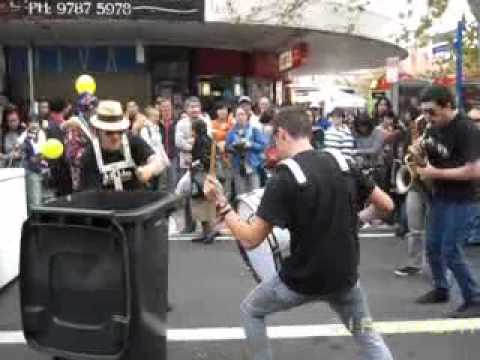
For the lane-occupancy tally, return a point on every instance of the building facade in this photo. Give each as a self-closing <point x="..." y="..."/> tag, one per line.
<point x="146" y="48"/>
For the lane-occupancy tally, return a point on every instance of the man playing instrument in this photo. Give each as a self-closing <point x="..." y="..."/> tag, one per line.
<point x="321" y="216"/>
<point x="116" y="160"/>
<point x="453" y="153"/>
<point x="416" y="208"/>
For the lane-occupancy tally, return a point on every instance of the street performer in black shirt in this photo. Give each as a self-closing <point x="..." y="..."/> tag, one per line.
<point x="315" y="196"/>
<point x="116" y="160"/>
<point x="452" y="144"/>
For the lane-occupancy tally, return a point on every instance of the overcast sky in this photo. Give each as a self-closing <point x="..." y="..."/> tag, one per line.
<point x="453" y="13"/>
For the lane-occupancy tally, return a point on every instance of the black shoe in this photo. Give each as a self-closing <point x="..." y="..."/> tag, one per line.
<point x="436" y="296"/>
<point x="200" y="239"/>
<point x="407" y="271"/>
<point x="210" y="238"/>
<point x="189" y="229"/>
<point x="467" y="310"/>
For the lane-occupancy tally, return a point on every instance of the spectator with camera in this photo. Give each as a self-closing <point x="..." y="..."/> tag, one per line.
<point x="246" y="144"/>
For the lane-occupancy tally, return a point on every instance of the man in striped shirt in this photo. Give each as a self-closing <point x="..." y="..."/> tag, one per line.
<point x="338" y="136"/>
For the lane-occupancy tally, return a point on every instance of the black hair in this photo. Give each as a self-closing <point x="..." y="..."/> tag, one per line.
<point x="383" y="99"/>
<point x="390" y="114"/>
<point x="294" y="120"/>
<point x="57" y="105"/>
<point x="7" y="111"/>
<point x="221" y="105"/>
<point x="200" y="128"/>
<point x="267" y="116"/>
<point x="202" y="145"/>
<point x="379" y="101"/>
<point x="440" y="95"/>
<point x="363" y="120"/>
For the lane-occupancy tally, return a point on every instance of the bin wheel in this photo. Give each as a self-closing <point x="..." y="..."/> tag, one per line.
<point x="58" y="358"/>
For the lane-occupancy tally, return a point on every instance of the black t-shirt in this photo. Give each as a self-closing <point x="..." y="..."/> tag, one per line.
<point x="60" y="179"/>
<point x="91" y="178"/>
<point x="450" y="147"/>
<point x="322" y="219"/>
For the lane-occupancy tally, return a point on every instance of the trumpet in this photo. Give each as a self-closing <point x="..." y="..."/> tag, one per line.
<point x="407" y="175"/>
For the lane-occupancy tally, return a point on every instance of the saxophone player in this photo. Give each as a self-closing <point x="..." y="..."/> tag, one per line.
<point x="416" y="208"/>
<point x="453" y="166"/>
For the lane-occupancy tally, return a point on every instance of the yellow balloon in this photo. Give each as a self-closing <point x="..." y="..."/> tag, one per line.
<point x="52" y="149"/>
<point x="85" y="84"/>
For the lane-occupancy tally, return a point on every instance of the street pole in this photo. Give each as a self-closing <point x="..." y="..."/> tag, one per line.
<point x="31" y="82"/>
<point x="459" y="72"/>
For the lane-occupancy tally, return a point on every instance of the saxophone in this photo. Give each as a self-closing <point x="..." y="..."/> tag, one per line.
<point x="416" y="157"/>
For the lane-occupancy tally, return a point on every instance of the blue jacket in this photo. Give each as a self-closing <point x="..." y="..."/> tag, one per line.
<point x="257" y="144"/>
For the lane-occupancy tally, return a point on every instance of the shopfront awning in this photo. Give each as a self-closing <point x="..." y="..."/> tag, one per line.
<point x="328" y="51"/>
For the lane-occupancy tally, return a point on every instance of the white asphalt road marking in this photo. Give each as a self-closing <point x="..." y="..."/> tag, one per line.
<point x="189" y="237"/>
<point x="437" y="327"/>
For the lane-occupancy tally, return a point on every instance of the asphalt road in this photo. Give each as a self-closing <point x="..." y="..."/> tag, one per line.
<point x="208" y="282"/>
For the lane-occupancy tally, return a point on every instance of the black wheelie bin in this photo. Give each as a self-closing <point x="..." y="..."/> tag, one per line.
<point x="93" y="276"/>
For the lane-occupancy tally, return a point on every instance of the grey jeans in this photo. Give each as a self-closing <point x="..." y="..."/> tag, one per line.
<point x="168" y="179"/>
<point x="416" y="217"/>
<point x="274" y="296"/>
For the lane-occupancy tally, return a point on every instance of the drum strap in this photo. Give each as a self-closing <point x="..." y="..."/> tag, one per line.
<point x="112" y="172"/>
<point x="296" y="171"/>
<point x="341" y="161"/>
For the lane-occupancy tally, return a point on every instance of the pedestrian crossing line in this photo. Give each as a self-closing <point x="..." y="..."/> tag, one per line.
<point x="429" y="327"/>
<point x="189" y="237"/>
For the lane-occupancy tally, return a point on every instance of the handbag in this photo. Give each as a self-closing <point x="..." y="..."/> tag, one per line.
<point x="199" y="176"/>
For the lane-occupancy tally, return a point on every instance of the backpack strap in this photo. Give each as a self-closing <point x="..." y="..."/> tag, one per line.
<point x="296" y="170"/>
<point x="339" y="158"/>
<point x="112" y="172"/>
<point x="298" y="173"/>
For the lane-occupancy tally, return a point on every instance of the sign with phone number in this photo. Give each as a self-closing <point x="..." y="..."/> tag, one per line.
<point x="188" y="10"/>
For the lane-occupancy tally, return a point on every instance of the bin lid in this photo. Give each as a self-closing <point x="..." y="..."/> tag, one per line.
<point x="112" y="203"/>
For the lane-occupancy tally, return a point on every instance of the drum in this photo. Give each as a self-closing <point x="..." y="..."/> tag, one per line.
<point x="265" y="260"/>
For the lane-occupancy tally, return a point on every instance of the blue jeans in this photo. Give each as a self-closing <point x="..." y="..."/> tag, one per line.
<point x="473" y="229"/>
<point x="273" y="296"/>
<point x="445" y="239"/>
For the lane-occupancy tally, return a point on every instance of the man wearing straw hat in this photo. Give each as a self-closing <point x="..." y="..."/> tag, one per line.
<point x="117" y="160"/>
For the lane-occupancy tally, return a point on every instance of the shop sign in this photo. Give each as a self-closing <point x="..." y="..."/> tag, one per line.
<point x="393" y="69"/>
<point x="285" y="61"/>
<point x="293" y="58"/>
<point x="178" y="10"/>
